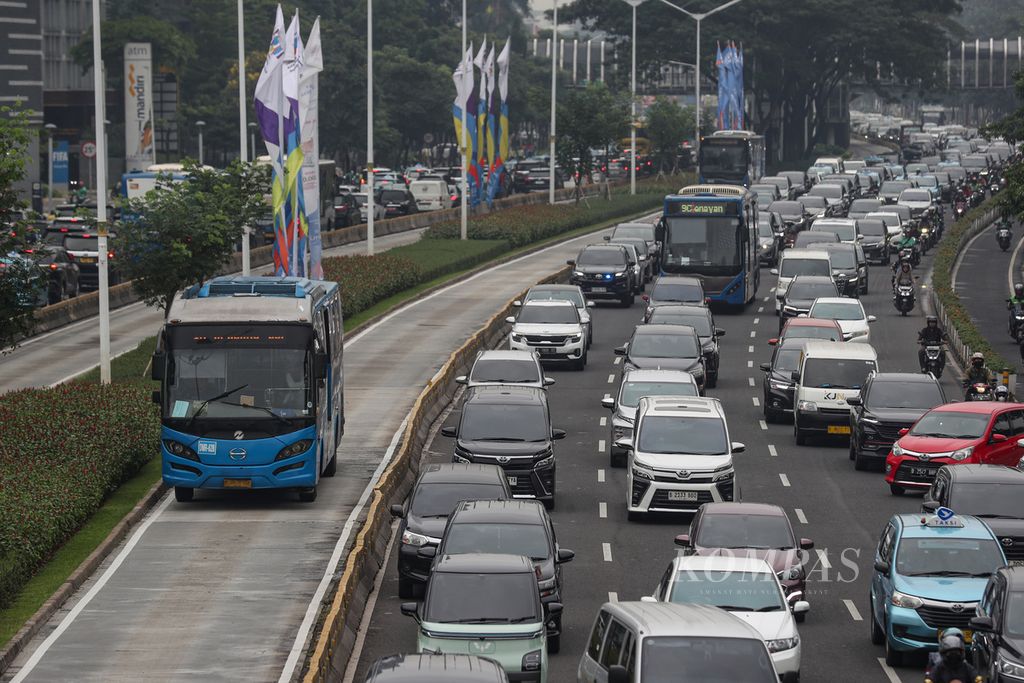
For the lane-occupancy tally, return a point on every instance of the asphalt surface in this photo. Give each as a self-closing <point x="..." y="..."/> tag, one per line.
<point x="222" y="589"/>
<point x="983" y="282"/>
<point x="59" y="355"/>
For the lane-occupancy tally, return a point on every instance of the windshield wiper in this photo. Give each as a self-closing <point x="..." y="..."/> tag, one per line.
<point x="946" y="572"/>
<point x="736" y="608"/>
<point x="202" y="406"/>
<point x="768" y="608"/>
<point x="507" y="439"/>
<point x="268" y="411"/>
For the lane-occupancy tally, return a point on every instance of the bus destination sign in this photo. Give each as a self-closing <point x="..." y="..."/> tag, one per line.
<point x="698" y="208"/>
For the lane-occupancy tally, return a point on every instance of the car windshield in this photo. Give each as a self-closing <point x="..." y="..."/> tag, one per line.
<point x="813" y="202"/>
<point x="602" y="257"/>
<point x="707" y="242"/>
<point x="846" y="233"/>
<point x="392" y="196"/>
<point x="787" y="360"/>
<point x="672" y="291"/>
<point x="836" y="373"/>
<point x="438" y="500"/>
<point x="759" y="532"/>
<point x="787" y="209"/>
<point x="842" y="258"/>
<point x="705" y="659"/>
<point x="764" y="228"/>
<point x="946" y="556"/>
<point x="504" y="370"/>
<point x="922" y="395"/>
<point x="463" y="598"/>
<point x="700" y="323"/>
<point x="733" y="591"/>
<point x="1013" y="617"/>
<point x="915" y="196"/>
<point x="556" y="315"/>
<point x="81" y="243"/>
<point x="813" y="332"/>
<point x="810" y="290"/>
<point x="947" y="424"/>
<point x="664" y="345"/>
<point x="895" y="186"/>
<point x="505" y="539"/>
<point x="828" y="191"/>
<point x="988" y="500"/>
<point x="572" y="295"/>
<point x="865" y="205"/>
<point x="498" y="422"/>
<point x="793" y="266"/>
<point x="640" y="232"/>
<point x="837" y="311"/>
<point x="693" y="436"/>
<point x="631" y="392"/>
<point x="872" y="228"/>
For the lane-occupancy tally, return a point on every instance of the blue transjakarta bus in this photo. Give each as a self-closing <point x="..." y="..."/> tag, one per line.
<point x="251" y="385"/>
<point x="731" y="157"/>
<point x="710" y="231"/>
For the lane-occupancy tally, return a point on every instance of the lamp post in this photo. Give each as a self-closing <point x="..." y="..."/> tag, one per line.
<point x="554" y="81"/>
<point x="199" y="126"/>
<point x="369" y="127"/>
<point x="49" y="156"/>
<point x="252" y="138"/>
<point x="632" y="105"/>
<point x="698" y="17"/>
<point x="246" y="230"/>
<point x="99" y="93"/>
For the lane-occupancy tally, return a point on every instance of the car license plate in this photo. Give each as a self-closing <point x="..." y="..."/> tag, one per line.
<point x="968" y="636"/>
<point x="238" y="483"/>
<point x="1017" y="563"/>
<point x="839" y="429"/>
<point x="86" y="259"/>
<point x="545" y="351"/>
<point x="512" y="481"/>
<point x="921" y="472"/>
<point x="688" y="496"/>
<point x="598" y="289"/>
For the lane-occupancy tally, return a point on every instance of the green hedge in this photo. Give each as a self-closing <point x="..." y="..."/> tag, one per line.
<point x="62" y="452"/>
<point x="942" y="284"/>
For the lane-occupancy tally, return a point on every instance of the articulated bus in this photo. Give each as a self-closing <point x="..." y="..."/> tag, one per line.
<point x="731" y="157"/>
<point x="710" y="231"/>
<point x="251" y="385"/>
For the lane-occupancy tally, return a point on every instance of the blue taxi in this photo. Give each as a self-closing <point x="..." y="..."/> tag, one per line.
<point x="930" y="572"/>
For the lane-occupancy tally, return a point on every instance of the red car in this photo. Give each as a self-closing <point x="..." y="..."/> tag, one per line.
<point x="983" y="433"/>
<point x="809" y="328"/>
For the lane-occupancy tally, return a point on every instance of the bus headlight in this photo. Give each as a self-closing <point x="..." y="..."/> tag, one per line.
<point x="291" y="450"/>
<point x="181" y="450"/>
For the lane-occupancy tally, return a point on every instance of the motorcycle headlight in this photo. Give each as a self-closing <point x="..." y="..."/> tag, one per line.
<point x="962" y="454"/>
<point x="904" y="600"/>
<point x="415" y="540"/>
<point x="1008" y="668"/>
<point x="780" y="644"/>
<point x="808" y="406"/>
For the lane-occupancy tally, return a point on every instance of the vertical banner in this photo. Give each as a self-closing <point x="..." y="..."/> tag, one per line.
<point x="313" y="64"/>
<point x="60" y="165"/>
<point x="139" y="147"/>
<point x="270" y="105"/>
<point x="295" y="210"/>
<point x="723" y="88"/>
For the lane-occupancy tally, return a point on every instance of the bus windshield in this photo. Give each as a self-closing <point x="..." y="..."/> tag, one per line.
<point x="703" y="244"/>
<point x="724" y="160"/>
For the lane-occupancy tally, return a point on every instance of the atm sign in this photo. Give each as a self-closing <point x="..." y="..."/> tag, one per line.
<point x="705" y="208"/>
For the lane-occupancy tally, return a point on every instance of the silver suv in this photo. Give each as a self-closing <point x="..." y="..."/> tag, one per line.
<point x="552" y="329"/>
<point x="680" y="456"/>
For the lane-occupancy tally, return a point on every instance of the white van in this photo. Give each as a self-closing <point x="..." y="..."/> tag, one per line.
<point x="430" y="194"/>
<point x="798" y="262"/>
<point x="835" y="162"/>
<point x="829" y="374"/>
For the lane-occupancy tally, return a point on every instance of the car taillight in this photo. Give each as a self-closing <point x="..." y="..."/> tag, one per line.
<point x="53" y="266"/>
<point x="110" y="254"/>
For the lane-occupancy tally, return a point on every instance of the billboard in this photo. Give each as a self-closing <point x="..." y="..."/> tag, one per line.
<point x="60" y="164"/>
<point x="140" y="150"/>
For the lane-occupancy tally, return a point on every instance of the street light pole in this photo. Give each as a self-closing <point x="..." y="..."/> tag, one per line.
<point x="99" y="92"/>
<point x="199" y="125"/>
<point x="632" y="106"/>
<point x="49" y="155"/>
<point x="242" y="152"/>
<point x="252" y="138"/>
<point x="554" y="81"/>
<point x="369" y="127"/>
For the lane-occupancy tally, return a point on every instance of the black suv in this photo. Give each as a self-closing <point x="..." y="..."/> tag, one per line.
<point x="849" y="268"/>
<point x="700" y="319"/>
<point x="605" y="271"/>
<point x="346" y="212"/>
<point x="435" y="494"/>
<point x="674" y="290"/>
<point x="998" y="649"/>
<point x="801" y="295"/>
<point x="993" y="492"/>
<point x="665" y="347"/>
<point x="397" y="201"/>
<point x="889" y="402"/>
<point x="511" y="527"/>
<point x="510" y="426"/>
<point x="779" y="387"/>
<point x="875" y="240"/>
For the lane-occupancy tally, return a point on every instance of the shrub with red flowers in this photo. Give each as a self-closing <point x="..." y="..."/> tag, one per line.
<point x="365" y="280"/>
<point x="62" y="452"/>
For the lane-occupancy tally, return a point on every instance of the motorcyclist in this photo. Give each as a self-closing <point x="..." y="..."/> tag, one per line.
<point x="1015" y="300"/>
<point x="977" y="373"/>
<point x="904" y="275"/>
<point x="953" y="665"/>
<point x="930" y="335"/>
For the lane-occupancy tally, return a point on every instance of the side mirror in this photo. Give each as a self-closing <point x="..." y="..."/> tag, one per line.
<point x="682" y="540"/>
<point x="449" y="431"/>
<point x="872" y="318"/>
<point x="719" y="332"/>
<point x="570" y="262"/>
<point x="854" y="401"/>
<point x="548" y="381"/>
<point x="648" y="598"/>
<point x="591" y="304"/>
<point x="517" y="303"/>
<point x="321" y="362"/>
<point x="553" y="608"/>
<point x="795" y="375"/>
<point x="155" y="397"/>
<point x="625" y="444"/>
<point x="565" y="555"/>
<point x="903" y="432"/>
<point x="801" y="607"/>
<point x="157" y="365"/>
<point x="983" y="624"/>
<point x="411" y="609"/>
<point x="881" y="568"/>
<point x="930" y="505"/>
<point x="773" y="341"/>
<point x="738" y="447"/>
<point x="999" y="438"/>
<point x="427" y="551"/>
<point x="645" y="297"/>
<point x="617" y="674"/>
<point x="397" y="511"/>
<point x="510" y="320"/>
<point x="462" y="379"/>
<point x="607" y="238"/>
<point x="620" y="350"/>
<point x="774" y="271"/>
<point x="557" y="434"/>
<point x="766" y="367"/>
<point x="806" y="544"/>
<point x="609" y="403"/>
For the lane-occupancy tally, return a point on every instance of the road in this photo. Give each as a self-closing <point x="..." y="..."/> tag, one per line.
<point x="57" y="356"/>
<point x="841" y="509"/>
<point x="222" y="589"/>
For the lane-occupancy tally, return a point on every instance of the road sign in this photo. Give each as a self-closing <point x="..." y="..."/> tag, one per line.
<point x="88" y="150"/>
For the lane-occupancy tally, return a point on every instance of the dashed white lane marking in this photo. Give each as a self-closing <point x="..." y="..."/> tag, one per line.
<point x="753" y="333"/>
<point x="784" y="478"/>
<point x="618" y="359"/>
<point x="823" y="559"/>
<point x="606" y="549"/>
<point x="757" y="320"/>
<point x="604" y="421"/>
<point x="600" y="476"/>
<point x="893" y="677"/>
<point x="771" y="450"/>
<point x="800" y="515"/>
<point x="760" y="309"/>
<point x="600" y="445"/>
<point x="750" y="381"/>
<point x="756" y="400"/>
<point x="750" y="363"/>
<point x="854" y="612"/>
<point x="750" y="349"/>
<point x="766" y="298"/>
<point x="602" y="510"/>
<point x="611" y="379"/>
<point x="764" y="425"/>
<point x="613" y="596"/>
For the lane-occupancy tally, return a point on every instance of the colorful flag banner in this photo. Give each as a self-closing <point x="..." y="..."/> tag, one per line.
<point x="296" y="210"/>
<point x="312" y="65"/>
<point x="501" y="104"/>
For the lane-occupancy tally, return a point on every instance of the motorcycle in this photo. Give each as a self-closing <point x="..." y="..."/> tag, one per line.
<point x="841" y="282"/>
<point x="1003" y="236"/>
<point x="926" y="239"/>
<point x="979" y="391"/>
<point x="904" y="299"/>
<point x="934" y="359"/>
<point x="1015" y="325"/>
<point x="959" y="208"/>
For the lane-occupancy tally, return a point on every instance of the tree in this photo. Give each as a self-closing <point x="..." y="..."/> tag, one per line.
<point x="667" y="126"/>
<point x="1011" y="129"/>
<point x="589" y="118"/>
<point x="19" y="274"/>
<point x="183" y="233"/>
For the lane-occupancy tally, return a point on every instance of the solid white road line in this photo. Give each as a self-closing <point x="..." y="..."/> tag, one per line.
<point x="611" y="379"/>
<point x="763" y="424"/>
<point x="602" y="510"/>
<point x="750" y="381"/>
<point x="756" y="400"/>
<point x="771" y="450"/>
<point x="800" y="515"/>
<point x="600" y="476"/>
<point x="784" y="478"/>
<point x="604" y="421"/>
<point x="606" y="550"/>
<point x="852" y="608"/>
<point x="600" y="445"/>
<point x="889" y="671"/>
<point x="613" y="596"/>
<point x="823" y="559"/>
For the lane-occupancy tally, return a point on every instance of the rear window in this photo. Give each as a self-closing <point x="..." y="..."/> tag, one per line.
<point x="81" y="243"/>
<point x="632" y="392"/>
<point x="873" y="228"/>
<point x="830" y="191"/>
<point x="813" y="332"/>
<point x="392" y="196"/>
<point x="791" y="267"/>
<point x="671" y="291"/>
<point x="438" y="500"/>
<point x="919" y="395"/>
<point x="508" y="371"/>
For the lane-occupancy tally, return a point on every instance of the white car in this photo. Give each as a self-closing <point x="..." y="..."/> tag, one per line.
<point x="850" y="315"/>
<point x="919" y="200"/>
<point x="551" y="329"/>
<point x="501" y="366"/>
<point x="564" y="293"/>
<point x="747" y="588"/>
<point x="379" y="210"/>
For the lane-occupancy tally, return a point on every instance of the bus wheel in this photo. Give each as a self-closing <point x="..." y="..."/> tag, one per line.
<point x="332" y="466"/>
<point x="307" y="495"/>
<point x="183" y="494"/>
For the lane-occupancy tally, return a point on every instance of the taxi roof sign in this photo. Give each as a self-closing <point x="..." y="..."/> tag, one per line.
<point x="944" y="518"/>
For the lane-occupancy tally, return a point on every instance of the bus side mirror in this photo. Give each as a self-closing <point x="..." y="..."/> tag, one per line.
<point x="659" y="231"/>
<point x="320" y="364"/>
<point x="158" y="363"/>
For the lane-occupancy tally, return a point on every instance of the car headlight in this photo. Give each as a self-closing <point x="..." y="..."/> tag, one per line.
<point x="575" y="338"/>
<point x="622" y="433"/>
<point x="517" y="337"/>
<point x="1008" y="668"/>
<point x="792" y="573"/>
<point x="780" y="644"/>
<point x="621" y="274"/>
<point x="897" y="451"/>
<point x="858" y="333"/>
<point x="962" y="454"/>
<point x="531" y="661"/>
<point x="459" y="458"/>
<point x="294" y="449"/>
<point x="904" y="600"/>
<point x="807" y="406"/>
<point x="790" y="309"/>
<point x="577" y="273"/>
<point x="547" y="588"/>
<point x="724" y="476"/>
<point x="413" y="539"/>
<point x="869" y="420"/>
<point x="779" y="386"/>
<point x="642" y="473"/>
<point x="545" y="462"/>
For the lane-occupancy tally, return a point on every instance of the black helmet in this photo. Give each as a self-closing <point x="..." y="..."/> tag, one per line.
<point x="931" y="320"/>
<point x="977" y="359"/>
<point x="951" y="649"/>
<point x="1018" y="289"/>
